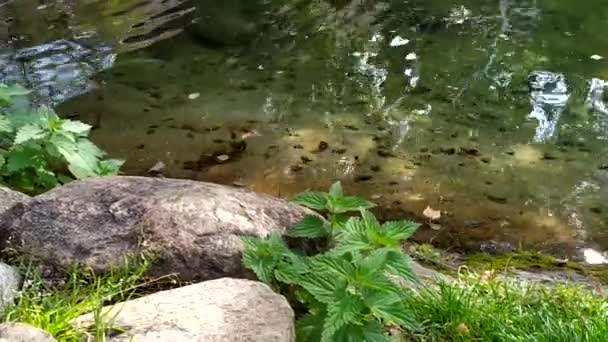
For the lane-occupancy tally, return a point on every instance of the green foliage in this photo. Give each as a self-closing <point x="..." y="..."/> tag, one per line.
<point x="39" y="150"/>
<point x="54" y="309"/>
<point x="478" y="309"/>
<point x="352" y="289"/>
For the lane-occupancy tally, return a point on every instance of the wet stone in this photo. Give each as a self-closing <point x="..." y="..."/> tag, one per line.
<point x="470" y="151"/>
<point x="305" y="159"/>
<point x="339" y="150"/>
<point x="363" y="178"/>
<point x="375" y="168"/>
<point x="386" y="154"/>
<point x="296" y="168"/>
<point x="497" y="198"/>
<point x="549" y="156"/>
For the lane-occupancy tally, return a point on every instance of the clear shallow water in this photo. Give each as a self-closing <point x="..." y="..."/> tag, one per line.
<point x="411" y="103"/>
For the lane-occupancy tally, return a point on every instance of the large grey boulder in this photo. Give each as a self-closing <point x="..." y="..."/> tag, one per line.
<point x="191" y="228"/>
<point x="222" y="310"/>
<point x="10" y="282"/>
<point x="19" y="332"/>
<point x="8" y="198"/>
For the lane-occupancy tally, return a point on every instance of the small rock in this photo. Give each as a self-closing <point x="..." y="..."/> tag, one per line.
<point x="222" y="158"/>
<point x="386" y="154"/>
<point x="323" y="146"/>
<point x="447" y="150"/>
<point x="305" y="159"/>
<point x="213" y="311"/>
<point x="497" y="247"/>
<point x="194" y="96"/>
<point x="549" y="156"/>
<point x="10" y="283"/>
<point x="157" y="169"/>
<point x="363" y="178"/>
<point x="296" y="168"/>
<point x="471" y="151"/>
<point x="19" y="332"/>
<point x="497" y="198"/>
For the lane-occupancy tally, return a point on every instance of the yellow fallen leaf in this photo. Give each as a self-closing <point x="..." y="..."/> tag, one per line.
<point x="431" y="213"/>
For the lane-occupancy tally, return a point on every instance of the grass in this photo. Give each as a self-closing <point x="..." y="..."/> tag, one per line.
<point x="473" y="308"/>
<point x="489" y="309"/>
<point x="54" y="309"/>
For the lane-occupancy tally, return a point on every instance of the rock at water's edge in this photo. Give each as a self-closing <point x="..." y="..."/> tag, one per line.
<point x="192" y="228"/>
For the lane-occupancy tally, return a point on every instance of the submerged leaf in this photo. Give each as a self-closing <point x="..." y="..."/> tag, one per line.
<point x="431" y="213"/>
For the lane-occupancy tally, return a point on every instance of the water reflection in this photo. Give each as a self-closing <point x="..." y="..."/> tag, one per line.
<point x="424" y="102"/>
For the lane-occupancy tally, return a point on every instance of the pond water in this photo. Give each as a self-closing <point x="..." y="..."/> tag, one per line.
<point x="492" y="111"/>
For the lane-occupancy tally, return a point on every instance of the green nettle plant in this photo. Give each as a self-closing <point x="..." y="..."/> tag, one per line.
<point x="39" y="150"/>
<point x="354" y="289"/>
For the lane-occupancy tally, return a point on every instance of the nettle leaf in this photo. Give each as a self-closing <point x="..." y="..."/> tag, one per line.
<point x="109" y="167"/>
<point x="263" y="255"/>
<point x="396" y="314"/>
<point x="400" y="230"/>
<point x="5" y="124"/>
<point x="27" y="133"/>
<point x="346" y="204"/>
<point x="346" y="309"/>
<point x="76" y="127"/>
<point x="352" y="238"/>
<point x="371" y="331"/>
<point x="47" y="118"/>
<point x="310" y="326"/>
<point x="321" y="286"/>
<point x="46" y="178"/>
<point x="312" y="200"/>
<point x="23" y="157"/>
<point x="8" y="92"/>
<point x="399" y="264"/>
<point x="335" y="265"/>
<point x="311" y="227"/>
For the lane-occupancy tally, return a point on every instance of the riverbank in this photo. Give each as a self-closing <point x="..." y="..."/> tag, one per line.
<point x="93" y="224"/>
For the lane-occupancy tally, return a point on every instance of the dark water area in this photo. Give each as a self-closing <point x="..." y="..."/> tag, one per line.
<point x="492" y="111"/>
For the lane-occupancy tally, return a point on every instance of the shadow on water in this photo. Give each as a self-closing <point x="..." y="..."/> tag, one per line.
<point x="481" y="109"/>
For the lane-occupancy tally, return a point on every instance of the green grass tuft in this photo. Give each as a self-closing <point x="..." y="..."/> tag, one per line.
<point x="54" y="309"/>
<point x="507" y="310"/>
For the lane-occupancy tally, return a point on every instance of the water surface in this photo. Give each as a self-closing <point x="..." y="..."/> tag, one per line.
<point x="483" y="109"/>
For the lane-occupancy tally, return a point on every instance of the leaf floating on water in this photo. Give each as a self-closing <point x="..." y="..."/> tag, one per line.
<point x="223" y="157"/>
<point x="596" y="57"/>
<point x="411" y="57"/>
<point x="194" y="96"/>
<point x="431" y="213"/>
<point x="435" y="226"/>
<point x="399" y="41"/>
